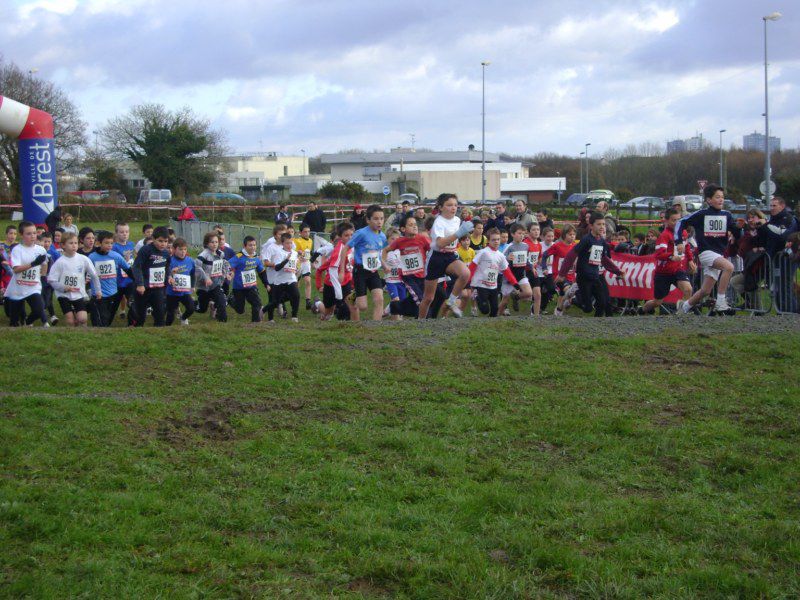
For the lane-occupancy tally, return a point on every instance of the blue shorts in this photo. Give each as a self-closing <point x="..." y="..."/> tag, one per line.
<point x="438" y="263"/>
<point x="396" y="290"/>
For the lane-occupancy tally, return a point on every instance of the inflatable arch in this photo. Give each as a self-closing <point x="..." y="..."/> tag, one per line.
<point x="33" y="130"/>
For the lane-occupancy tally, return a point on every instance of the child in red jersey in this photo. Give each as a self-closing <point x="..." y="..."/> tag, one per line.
<point x="672" y="264"/>
<point x="558" y="252"/>
<point x="339" y="277"/>
<point x="413" y="248"/>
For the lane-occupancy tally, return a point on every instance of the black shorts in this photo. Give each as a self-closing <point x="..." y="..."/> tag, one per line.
<point x="329" y="295"/>
<point x="438" y="263"/>
<point x="72" y="306"/>
<point x="364" y="280"/>
<point x="536" y="282"/>
<point x="664" y="282"/>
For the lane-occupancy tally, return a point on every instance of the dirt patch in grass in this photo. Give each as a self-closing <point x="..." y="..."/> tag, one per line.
<point x="368" y="588"/>
<point x="670" y="416"/>
<point x="215" y="420"/>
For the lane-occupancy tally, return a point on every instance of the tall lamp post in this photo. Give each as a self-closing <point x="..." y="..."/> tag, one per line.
<point x="587" y="166"/>
<point x="721" y="172"/>
<point x="768" y="193"/>
<point x="304" y="165"/>
<point x="484" y="64"/>
<point x="581" y="164"/>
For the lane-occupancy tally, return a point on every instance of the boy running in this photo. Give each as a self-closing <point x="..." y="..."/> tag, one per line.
<point x="68" y="279"/>
<point x="150" y="269"/>
<point x="712" y="226"/>
<point x="672" y="264"/>
<point x="367" y="244"/>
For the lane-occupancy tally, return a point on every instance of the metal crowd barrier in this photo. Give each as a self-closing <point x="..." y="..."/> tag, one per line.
<point x="749" y="288"/>
<point x="194" y="231"/>
<point x="785" y="283"/>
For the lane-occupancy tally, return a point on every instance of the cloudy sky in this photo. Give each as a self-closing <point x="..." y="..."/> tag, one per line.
<point x="324" y="75"/>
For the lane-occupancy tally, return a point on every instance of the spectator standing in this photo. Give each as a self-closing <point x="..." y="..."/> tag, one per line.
<point x="522" y="215"/>
<point x="283" y="216"/>
<point x="543" y="219"/>
<point x="314" y="218"/>
<point x="611" y="222"/>
<point x="358" y="218"/>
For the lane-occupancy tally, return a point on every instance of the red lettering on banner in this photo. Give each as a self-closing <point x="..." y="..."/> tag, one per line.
<point x="638" y="279"/>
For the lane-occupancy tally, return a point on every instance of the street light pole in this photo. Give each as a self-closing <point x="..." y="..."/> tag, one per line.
<point x="581" y="163"/>
<point x="484" y="64"/>
<point x="767" y="170"/>
<point x="587" y="166"/>
<point x="721" y="182"/>
<point x="304" y="165"/>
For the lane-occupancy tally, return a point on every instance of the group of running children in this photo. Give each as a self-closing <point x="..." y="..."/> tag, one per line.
<point x="429" y="269"/>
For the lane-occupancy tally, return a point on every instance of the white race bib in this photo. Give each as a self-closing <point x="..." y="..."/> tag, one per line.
<point x="291" y="266"/>
<point x="106" y="269"/>
<point x="714" y="226"/>
<point x="518" y="259"/>
<point x="412" y="263"/>
<point x="533" y="257"/>
<point x="157" y="277"/>
<point x="71" y="280"/>
<point x="183" y="282"/>
<point x="249" y="278"/>
<point x="371" y="260"/>
<point x="216" y="268"/>
<point x="595" y="255"/>
<point x="491" y="278"/>
<point x="306" y="255"/>
<point x="29" y="277"/>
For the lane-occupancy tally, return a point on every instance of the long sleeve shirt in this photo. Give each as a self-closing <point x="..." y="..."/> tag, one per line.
<point x="711" y="227"/>
<point x="150" y="267"/>
<point x="590" y="253"/>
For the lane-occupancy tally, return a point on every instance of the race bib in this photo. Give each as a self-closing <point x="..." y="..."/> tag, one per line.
<point x="291" y="266"/>
<point x="518" y="259"/>
<point x="491" y="278"/>
<point x="371" y="260"/>
<point x="29" y="277"/>
<point x="412" y="262"/>
<point x="183" y="283"/>
<point x="216" y="268"/>
<point x="533" y="257"/>
<point x="249" y="278"/>
<point x="71" y="280"/>
<point x="595" y="255"/>
<point x="306" y="255"/>
<point x="106" y="269"/>
<point x="157" y="277"/>
<point x="714" y="226"/>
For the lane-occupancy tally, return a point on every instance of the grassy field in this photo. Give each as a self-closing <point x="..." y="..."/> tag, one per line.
<point x="460" y="459"/>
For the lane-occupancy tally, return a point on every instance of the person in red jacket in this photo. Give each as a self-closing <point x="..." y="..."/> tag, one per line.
<point x="186" y="213"/>
<point x="674" y="264"/>
<point x="555" y="255"/>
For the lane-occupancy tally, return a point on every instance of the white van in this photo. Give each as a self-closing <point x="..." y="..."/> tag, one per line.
<point x="148" y="196"/>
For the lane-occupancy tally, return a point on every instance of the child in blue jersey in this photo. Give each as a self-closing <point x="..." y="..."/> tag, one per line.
<point x="367" y="244"/>
<point x="108" y="265"/>
<point x="180" y="282"/>
<point x="712" y="226"/>
<point x="46" y="241"/>
<point x="126" y="299"/>
<point x="247" y="269"/>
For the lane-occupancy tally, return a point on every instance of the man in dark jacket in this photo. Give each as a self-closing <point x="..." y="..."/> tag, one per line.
<point x="773" y="237"/>
<point x="314" y="218"/>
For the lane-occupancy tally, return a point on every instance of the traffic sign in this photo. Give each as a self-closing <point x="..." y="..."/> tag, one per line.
<point x="702" y="183"/>
<point x="762" y="187"/>
<point x="386" y="190"/>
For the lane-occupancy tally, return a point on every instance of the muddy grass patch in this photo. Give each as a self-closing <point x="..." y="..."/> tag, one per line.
<point x="217" y="420"/>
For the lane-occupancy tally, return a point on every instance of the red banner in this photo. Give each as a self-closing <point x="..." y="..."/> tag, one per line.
<point x="639" y="279"/>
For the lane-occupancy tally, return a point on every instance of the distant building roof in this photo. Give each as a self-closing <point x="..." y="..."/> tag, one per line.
<point x="369" y="158"/>
<point x="533" y="184"/>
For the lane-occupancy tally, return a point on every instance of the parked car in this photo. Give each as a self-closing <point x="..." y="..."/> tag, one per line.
<point x="595" y="196"/>
<point x="411" y="198"/>
<point x="153" y="196"/>
<point x="688" y="202"/>
<point x="644" y="203"/>
<point x="576" y="200"/>
<point x="224" y="198"/>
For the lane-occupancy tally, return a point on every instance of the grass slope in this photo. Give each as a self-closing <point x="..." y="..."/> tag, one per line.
<point x="429" y="460"/>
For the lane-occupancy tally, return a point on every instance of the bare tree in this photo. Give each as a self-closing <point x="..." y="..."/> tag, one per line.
<point x="70" y="129"/>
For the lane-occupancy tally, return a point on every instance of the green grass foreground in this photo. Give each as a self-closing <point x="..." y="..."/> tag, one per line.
<point x="483" y="460"/>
